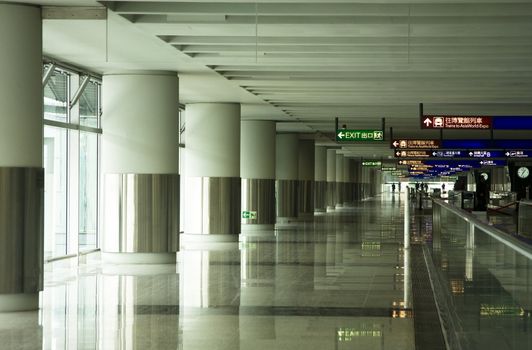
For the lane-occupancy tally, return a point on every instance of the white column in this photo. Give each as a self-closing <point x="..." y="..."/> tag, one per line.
<point x="306" y="179"/>
<point x="286" y="174"/>
<point x="212" y="173"/>
<point x="21" y="100"/>
<point x="331" y="179"/>
<point x="340" y="182"/>
<point x="257" y="169"/>
<point x="141" y="123"/>
<point x="21" y="152"/>
<point x="320" y="175"/>
<point x="257" y="149"/>
<point x="348" y="188"/>
<point x="140" y="163"/>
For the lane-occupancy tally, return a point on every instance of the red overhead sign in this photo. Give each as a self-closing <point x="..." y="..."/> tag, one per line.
<point x="455" y="122"/>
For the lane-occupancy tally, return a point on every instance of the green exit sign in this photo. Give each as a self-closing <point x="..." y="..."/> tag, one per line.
<point x="249" y="215"/>
<point x="359" y="135"/>
<point x="371" y="163"/>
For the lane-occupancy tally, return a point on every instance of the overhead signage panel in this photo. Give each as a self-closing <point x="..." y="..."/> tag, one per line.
<point x="345" y="135"/>
<point x="412" y="153"/>
<point x="486" y="144"/>
<point x="415" y="144"/>
<point x="456" y="122"/>
<point x="499" y="122"/>
<point x="518" y="154"/>
<point x="371" y="163"/>
<point x="512" y="122"/>
<point x="456" y="153"/>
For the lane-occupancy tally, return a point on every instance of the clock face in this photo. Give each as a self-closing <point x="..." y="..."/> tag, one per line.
<point x="523" y="172"/>
<point x="485" y="176"/>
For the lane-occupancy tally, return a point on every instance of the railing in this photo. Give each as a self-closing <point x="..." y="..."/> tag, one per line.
<point x="474" y="222"/>
<point x="468" y="253"/>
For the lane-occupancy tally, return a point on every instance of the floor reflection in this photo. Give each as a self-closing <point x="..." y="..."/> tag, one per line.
<point x="340" y="282"/>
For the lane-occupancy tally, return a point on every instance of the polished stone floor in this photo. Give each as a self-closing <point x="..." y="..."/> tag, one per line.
<point x="335" y="283"/>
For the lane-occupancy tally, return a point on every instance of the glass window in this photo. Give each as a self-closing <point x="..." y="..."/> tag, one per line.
<point x="88" y="106"/>
<point x="56" y="97"/>
<point x="71" y="158"/>
<point x="55" y="208"/>
<point x="88" y="190"/>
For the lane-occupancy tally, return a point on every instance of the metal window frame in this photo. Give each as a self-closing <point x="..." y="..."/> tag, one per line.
<point x="72" y="100"/>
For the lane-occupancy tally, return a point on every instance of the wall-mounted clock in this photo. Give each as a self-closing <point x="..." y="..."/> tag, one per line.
<point x="485" y="176"/>
<point x="523" y="172"/>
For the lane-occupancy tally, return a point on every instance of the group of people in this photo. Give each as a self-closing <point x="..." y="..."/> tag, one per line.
<point x="423" y="187"/>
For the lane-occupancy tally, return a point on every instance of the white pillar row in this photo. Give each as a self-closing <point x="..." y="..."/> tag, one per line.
<point x="306" y="179"/>
<point x="212" y="173"/>
<point x="320" y="176"/>
<point x="21" y="153"/>
<point x="257" y="169"/>
<point x="140" y="165"/>
<point x="340" y="183"/>
<point x="331" y="179"/>
<point x="286" y="175"/>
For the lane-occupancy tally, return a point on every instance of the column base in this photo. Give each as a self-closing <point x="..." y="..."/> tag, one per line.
<point x="138" y="258"/>
<point x="19" y="302"/>
<point x="191" y="241"/>
<point x="256" y="227"/>
<point x="286" y="220"/>
<point x="139" y="269"/>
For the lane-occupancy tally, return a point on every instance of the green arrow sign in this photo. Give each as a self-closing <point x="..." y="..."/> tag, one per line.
<point x="249" y="215"/>
<point x="359" y="135"/>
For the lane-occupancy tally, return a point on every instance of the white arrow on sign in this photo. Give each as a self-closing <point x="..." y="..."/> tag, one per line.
<point x="434" y="153"/>
<point x="470" y="154"/>
<point x="427" y="122"/>
<point x="398" y="153"/>
<point x="395" y="143"/>
<point x="507" y="154"/>
<point x="341" y="135"/>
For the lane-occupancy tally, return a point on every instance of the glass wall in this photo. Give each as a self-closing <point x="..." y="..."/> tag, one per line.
<point x="72" y="109"/>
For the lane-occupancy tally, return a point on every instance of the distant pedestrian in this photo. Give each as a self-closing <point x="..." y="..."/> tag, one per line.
<point x="393" y="188"/>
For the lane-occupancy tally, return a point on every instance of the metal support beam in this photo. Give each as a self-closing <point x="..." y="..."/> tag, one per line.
<point x="74" y="12"/>
<point x="48" y="74"/>
<point x="383" y="128"/>
<point x="81" y="88"/>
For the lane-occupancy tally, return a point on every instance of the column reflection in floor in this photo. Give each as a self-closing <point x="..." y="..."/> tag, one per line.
<point x="210" y="298"/>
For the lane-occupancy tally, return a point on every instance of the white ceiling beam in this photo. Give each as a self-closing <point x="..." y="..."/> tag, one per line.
<point x="499" y="8"/>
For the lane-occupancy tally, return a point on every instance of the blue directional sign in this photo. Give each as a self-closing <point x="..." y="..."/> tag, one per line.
<point x="486" y="144"/>
<point x="518" y="153"/>
<point x="512" y="122"/>
<point x="453" y="153"/>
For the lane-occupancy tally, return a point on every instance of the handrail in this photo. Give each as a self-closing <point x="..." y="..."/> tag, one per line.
<point x="494" y="232"/>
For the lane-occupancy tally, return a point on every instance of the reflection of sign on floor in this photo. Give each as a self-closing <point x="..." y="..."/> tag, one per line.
<point x="249" y="215"/>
